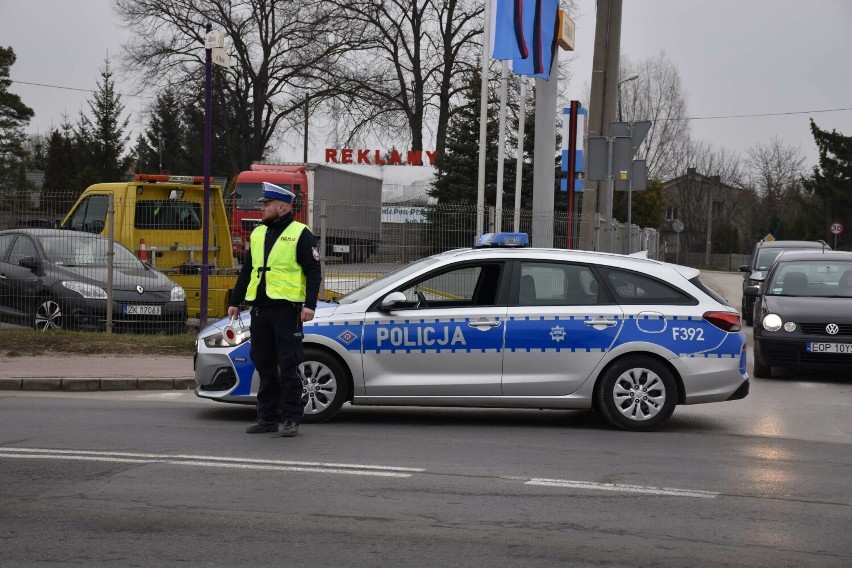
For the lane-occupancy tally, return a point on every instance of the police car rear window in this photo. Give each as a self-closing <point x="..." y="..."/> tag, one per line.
<point x="709" y="291"/>
<point x="633" y="288"/>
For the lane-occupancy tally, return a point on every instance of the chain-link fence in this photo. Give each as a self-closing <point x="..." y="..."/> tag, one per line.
<point x="57" y="279"/>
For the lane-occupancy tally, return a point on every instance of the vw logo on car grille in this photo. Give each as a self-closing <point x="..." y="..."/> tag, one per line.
<point x="832" y="328"/>
<point x="141" y="290"/>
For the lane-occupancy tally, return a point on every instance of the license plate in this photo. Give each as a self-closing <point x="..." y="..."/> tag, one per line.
<point x="143" y="310"/>
<point x="845" y="348"/>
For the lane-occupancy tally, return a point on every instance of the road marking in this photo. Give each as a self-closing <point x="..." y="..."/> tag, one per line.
<point x="319" y="467"/>
<point x="624" y="488"/>
<point x="209" y="461"/>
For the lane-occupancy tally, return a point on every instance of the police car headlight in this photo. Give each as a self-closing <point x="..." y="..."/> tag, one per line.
<point x="88" y="291"/>
<point x="178" y="294"/>
<point x="772" y="322"/>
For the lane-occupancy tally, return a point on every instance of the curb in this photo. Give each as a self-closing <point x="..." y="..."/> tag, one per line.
<point x="77" y="384"/>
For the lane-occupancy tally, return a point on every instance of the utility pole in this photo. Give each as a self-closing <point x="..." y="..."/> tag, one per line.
<point x="714" y="183"/>
<point x="602" y="103"/>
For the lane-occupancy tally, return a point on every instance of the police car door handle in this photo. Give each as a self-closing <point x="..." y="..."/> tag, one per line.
<point x="604" y="323"/>
<point x="484" y="323"/>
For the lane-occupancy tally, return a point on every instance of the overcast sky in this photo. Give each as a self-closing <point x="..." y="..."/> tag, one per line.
<point x="735" y="57"/>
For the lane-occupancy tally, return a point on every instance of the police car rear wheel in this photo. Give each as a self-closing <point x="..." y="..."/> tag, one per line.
<point x="637" y="393"/>
<point x="324" y="386"/>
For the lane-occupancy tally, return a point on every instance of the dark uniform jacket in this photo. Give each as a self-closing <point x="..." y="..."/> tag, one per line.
<point x="306" y="255"/>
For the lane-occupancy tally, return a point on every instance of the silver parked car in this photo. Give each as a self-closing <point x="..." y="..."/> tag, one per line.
<point x="508" y="327"/>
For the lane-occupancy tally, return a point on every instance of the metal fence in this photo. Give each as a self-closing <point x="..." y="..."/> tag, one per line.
<point x="62" y="280"/>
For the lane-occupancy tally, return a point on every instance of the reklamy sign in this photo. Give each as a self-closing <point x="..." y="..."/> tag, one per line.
<point x="379" y="158"/>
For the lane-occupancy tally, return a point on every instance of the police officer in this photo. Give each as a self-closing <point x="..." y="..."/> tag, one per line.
<point x="280" y="278"/>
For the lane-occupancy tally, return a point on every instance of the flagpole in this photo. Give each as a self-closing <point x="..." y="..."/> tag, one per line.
<point x="522" y="114"/>
<point x="501" y="146"/>
<point x="483" y="119"/>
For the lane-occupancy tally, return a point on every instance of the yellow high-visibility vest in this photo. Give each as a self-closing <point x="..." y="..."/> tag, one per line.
<point x="284" y="277"/>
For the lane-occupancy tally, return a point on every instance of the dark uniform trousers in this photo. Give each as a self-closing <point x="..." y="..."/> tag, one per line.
<point x="277" y="352"/>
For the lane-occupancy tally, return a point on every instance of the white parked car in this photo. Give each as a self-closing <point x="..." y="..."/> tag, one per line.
<point x="513" y="327"/>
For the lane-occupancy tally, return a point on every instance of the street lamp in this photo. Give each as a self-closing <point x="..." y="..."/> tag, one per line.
<point x="631" y="77"/>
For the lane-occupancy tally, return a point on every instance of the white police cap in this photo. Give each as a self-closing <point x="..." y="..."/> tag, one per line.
<point x="272" y="191"/>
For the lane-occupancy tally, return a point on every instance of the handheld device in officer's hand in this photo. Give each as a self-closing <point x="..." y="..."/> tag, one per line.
<point x="235" y="334"/>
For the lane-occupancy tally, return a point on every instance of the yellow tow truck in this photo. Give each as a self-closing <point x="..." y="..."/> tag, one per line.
<point x="160" y="217"/>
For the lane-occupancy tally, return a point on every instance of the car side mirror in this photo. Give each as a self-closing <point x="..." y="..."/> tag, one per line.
<point x="744" y="268"/>
<point x="752" y="291"/>
<point x="391" y="300"/>
<point x="30" y="263"/>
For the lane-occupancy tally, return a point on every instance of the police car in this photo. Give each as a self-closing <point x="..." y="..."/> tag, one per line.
<point x="508" y="326"/>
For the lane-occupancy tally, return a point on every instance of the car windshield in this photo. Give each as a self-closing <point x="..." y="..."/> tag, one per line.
<point x="375" y="285"/>
<point x="66" y="250"/>
<point x="829" y="279"/>
<point x="766" y="256"/>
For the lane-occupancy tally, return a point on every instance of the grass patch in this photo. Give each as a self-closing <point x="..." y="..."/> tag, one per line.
<point x="17" y="343"/>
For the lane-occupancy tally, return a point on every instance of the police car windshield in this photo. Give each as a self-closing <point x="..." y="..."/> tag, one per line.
<point x="386" y="280"/>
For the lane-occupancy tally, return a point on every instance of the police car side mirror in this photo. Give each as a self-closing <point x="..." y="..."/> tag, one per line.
<point x="392" y="299"/>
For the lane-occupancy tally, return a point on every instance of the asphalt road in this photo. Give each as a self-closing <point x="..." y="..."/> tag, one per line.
<point x="163" y="478"/>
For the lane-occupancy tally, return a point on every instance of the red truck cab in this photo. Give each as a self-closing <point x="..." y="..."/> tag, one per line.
<point x="245" y="210"/>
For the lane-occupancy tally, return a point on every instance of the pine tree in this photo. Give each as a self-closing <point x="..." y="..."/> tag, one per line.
<point x="102" y="139"/>
<point x="164" y="139"/>
<point x="830" y="186"/>
<point x="14" y="117"/>
<point x="456" y="180"/>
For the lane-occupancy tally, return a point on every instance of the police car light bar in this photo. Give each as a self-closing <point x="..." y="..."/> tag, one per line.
<point x="503" y="240"/>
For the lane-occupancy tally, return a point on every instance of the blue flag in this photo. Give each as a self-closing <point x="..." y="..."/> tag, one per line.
<point x="508" y="28"/>
<point x="542" y="39"/>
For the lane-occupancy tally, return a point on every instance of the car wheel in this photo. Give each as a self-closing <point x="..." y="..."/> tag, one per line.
<point x="637" y="393"/>
<point x="748" y="314"/>
<point x="47" y="314"/>
<point x="324" y="386"/>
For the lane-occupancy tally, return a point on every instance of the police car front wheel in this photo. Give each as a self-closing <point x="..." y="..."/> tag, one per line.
<point x="325" y="386"/>
<point x="637" y="393"/>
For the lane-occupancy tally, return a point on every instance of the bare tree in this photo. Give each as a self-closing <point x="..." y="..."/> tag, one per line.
<point x="282" y="53"/>
<point x="732" y="196"/>
<point x="657" y="96"/>
<point x="416" y="52"/>
<point x="776" y="170"/>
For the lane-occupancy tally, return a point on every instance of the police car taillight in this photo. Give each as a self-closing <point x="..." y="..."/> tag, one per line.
<point x="503" y="240"/>
<point x="727" y="321"/>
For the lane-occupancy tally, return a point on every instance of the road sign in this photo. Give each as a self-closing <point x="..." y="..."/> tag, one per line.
<point x="214" y="38"/>
<point x="836" y="228"/>
<point x="768" y="238"/>
<point x="636" y="131"/>
<point x="221" y="58"/>
<point x="638" y="177"/>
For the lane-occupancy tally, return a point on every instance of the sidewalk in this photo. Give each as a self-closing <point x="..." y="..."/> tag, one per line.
<point x="96" y="372"/>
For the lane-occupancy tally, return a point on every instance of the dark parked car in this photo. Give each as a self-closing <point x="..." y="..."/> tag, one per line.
<point x="803" y="313"/>
<point x="55" y="279"/>
<point x="765" y="252"/>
